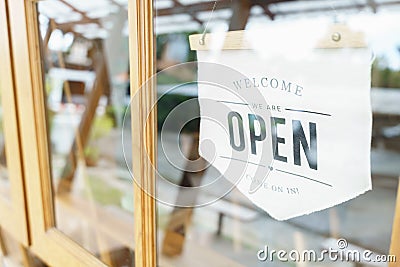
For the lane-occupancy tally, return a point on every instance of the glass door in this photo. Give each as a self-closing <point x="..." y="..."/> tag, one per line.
<point x="110" y="154"/>
<point x="220" y="226"/>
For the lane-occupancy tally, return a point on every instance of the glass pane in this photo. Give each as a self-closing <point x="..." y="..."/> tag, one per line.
<point x="85" y="54"/>
<point x="232" y="230"/>
<point x="4" y="180"/>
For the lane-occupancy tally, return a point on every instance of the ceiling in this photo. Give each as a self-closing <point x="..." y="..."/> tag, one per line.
<point x="88" y="17"/>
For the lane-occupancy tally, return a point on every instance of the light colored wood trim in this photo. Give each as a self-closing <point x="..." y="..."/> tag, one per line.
<point x="395" y="241"/>
<point x="27" y="259"/>
<point x="233" y="40"/>
<point x="142" y="67"/>
<point x="30" y="98"/>
<point x="12" y="214"/>
<point x="3" y="246"/>
<point x="52" y="246"/>
<point x="236" y="40"/>
<point x="341" y="36"/>
<point x="26" y="48"/>
<point x="49" y="243"/>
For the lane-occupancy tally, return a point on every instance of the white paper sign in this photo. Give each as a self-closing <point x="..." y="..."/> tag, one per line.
<point x="294" y="135"/>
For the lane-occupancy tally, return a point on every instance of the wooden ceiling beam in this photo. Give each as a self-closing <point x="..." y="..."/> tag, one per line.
<point x="118" y="4"/>
<point x="73" y="8"/>
<point x="194" y="8"/>
<point x="69" y="26"/>
<point x="192" y="14"/>
<point x="208" y="6"/>
<point x="268" y="2"/>
<point x="224" y="4"/>
<point x="240" y="14"/>
<point x="373" y="5"/>
<point x="322" y="9"/>
<point x="84" y="16"/>
<point x="267" y="11"/>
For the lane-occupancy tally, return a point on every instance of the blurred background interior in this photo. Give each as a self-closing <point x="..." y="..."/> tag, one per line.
<point x="85" y="55"/>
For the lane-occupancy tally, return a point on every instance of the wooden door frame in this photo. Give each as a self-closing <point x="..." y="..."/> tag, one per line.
<point x="13" y="217"/>
<point x="144" y="129"/>
<point x="47" y="242"/>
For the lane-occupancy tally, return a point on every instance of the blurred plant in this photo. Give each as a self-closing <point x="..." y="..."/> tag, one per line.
<point x="383" y="76"/>
<point x="167" y="103"/>
<point x="112" y="111"/>
<point x="101" y="127"/>
<point x="103" y="193"/>
<point x="162" y="40"/>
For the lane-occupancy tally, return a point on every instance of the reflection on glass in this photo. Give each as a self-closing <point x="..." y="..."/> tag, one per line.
<point x="232" y="231"/>
<point x="4" y="181"/>
<point x="85" y="54"/>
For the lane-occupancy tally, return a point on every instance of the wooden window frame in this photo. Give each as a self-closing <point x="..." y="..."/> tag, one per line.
<point x="144" y="129"/>
<point x="12" y="211"/>
<point x="47" y="242"/>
